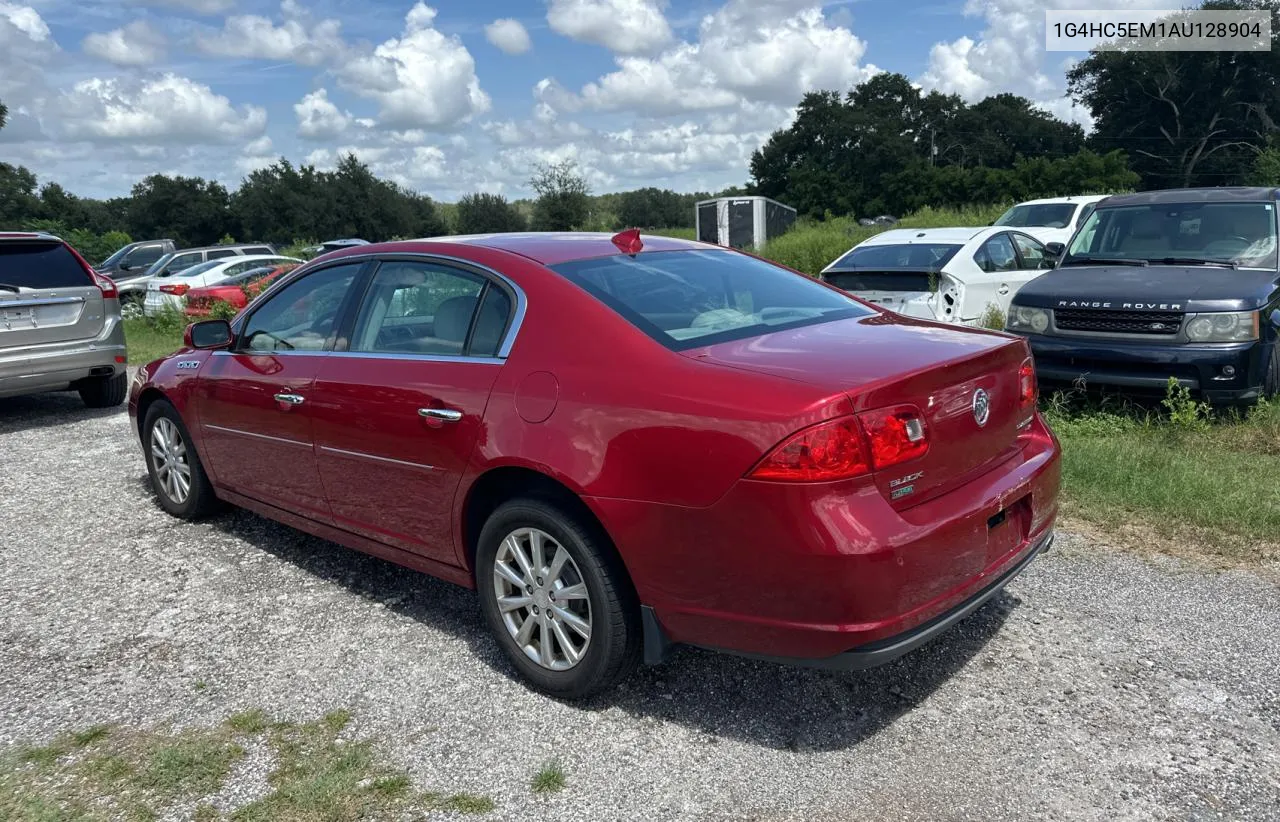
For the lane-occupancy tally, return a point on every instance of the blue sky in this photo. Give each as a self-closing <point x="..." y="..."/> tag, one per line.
<point x="449" y="96"/>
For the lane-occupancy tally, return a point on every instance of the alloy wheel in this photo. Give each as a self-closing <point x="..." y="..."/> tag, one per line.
<point x="542" y="598"/>
<point x="169" y="458"/>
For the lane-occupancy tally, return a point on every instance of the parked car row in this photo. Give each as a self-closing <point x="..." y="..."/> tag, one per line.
<point x="1123" y="291"/>
<point x="134" y="280"/>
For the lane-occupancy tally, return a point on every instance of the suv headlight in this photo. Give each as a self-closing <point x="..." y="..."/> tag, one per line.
<point x="1026" y="318"/>
<point x="1234" y="326"/>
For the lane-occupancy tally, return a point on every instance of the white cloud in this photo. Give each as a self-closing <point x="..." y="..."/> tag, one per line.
<point x="26" y="49"/>
<point x="623" y="26"/>
<point x="748" y="51"/>
<point x="508" y="35"/>
<point x="25" y="20"/>
<point x="319" y="118"/>
<point x="423" y="79"/>
<point x="161" y="110"/>
<point x="1009" y="55"/>
<point x="137" y="44"/>
<point x="298" y="38"/>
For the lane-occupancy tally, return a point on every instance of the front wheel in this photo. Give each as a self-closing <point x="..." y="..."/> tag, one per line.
<point x="177" y="476"/>
<point x="557" y="599"/>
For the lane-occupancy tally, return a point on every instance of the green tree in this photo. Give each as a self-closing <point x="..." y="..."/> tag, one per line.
<point x="653" y="208"/>
<point x="482" y="213"/>
<point x="1186" y="118"/>
<point x="564" y="198"/>
<point x="18" y="201"/>
<point x="189" y="210"/>
<point x="4" y="115"/>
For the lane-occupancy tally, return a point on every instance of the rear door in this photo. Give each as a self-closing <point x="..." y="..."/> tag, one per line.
<point x="397" y="415"/>
<point x="47" y="298"/>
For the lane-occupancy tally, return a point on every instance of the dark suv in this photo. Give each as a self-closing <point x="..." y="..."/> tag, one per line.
<point x="1179" y="283"/>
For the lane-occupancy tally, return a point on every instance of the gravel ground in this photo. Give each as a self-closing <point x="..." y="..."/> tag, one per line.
<point x="1100" y="686"/>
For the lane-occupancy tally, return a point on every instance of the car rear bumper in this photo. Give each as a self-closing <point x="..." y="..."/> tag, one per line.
<point x="58" y="366"/>
<point x="811" y="572"/>
<point x="1145" y="366"/>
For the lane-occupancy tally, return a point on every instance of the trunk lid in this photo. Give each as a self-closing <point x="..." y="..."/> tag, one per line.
<point x="887" y="360"/>
<point x="46" y="295"/>
<point x="911" y="292"/>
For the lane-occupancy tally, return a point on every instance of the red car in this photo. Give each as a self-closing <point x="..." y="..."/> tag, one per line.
<point x="623" y="443"/>
<point x="236" y="291"/>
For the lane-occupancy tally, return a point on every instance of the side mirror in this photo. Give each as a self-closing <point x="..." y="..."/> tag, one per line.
<point x="1055" y="249"/>
<point x="208" y="334"/>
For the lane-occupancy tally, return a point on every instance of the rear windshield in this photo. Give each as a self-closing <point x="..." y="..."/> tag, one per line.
<point x="685" y="299"/>
<point x="1046" y="215"/>
<point x="897" y="257"/>
<point x="39" y="265"/>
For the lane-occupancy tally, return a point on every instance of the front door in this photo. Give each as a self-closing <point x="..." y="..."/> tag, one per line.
<point x="253" y="402"/>
<point x="399" y="413"/>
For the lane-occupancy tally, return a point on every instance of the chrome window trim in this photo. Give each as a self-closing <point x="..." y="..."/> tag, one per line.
<point x="252" y="435"/>
<point x="363" y="355"/>
<point x="362" y="455"/>
<point x="508" y="340"/>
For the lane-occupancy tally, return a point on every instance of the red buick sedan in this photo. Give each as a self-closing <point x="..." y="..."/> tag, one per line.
<point x="623" y="443"/>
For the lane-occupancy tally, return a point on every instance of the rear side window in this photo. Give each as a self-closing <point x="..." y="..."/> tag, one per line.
<point x="40" y="265"/>
<point x="221" y="254"/>
<point x="685" y="299"/>
<point x="258" y="249"/>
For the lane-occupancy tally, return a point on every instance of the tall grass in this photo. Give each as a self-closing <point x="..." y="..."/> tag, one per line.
<point x="813" y="244"/>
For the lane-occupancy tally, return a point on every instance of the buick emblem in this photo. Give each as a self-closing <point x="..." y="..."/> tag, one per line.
<point x="981" y="407"/>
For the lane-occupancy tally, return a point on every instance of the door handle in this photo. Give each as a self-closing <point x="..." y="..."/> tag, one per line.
<point x="441" y="414"/>
<point x="289" y="399"/>
<point x="1004" y="288"/>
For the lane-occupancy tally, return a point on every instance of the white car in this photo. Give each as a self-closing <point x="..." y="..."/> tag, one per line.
<point x="167" y="294"/>
<point x="954" y="275"/>
<point x="1053" y="220"/>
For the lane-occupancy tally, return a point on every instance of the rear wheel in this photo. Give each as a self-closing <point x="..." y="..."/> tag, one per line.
<point x="131" y="305"/>
<point x="105" y="392"/>
<point x="177" y="477"/>
<point x="557" y="599"/>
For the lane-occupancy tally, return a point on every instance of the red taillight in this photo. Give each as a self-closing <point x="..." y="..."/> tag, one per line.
<point x="1027" y="384"/>
<point x="828" y="451"/>
<point x="177" y="290"/>
<point x="848" y="447"/>
<point x="107" y="285"/>
<point x="896" y="435"/>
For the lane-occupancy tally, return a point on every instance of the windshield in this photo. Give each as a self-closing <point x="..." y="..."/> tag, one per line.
<point x="685" y="299"/>
<point x="116" y="257"/>
<point x="898" y="256"/>
<point x="159" y="264"/>
<point x="1230" y="233"/>
<point x="1047" y="215"/>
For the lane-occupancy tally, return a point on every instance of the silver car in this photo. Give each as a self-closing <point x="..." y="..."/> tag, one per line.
<point x="60" y="325"/>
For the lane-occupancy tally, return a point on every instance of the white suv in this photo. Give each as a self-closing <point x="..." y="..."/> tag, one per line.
<point x="1053" y="220"/>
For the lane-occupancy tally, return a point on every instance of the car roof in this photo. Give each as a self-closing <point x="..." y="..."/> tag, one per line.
<point x="1076" y="198"/>
<point x="554" y="247"/>
<point x="217" y="247"/>
<point x="1221" y="194"/>
<point x="908" y="236"/>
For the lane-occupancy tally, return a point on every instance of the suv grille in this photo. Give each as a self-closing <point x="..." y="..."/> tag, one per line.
<point x="1118" y="322"/>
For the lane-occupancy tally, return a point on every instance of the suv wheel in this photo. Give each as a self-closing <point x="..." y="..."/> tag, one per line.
<point x="177" y="476"/>
<point x="557" y="600"/>
<point x="1271" y="384"/>
<point x="131" y="306"/>
<point x="105" y="392"/>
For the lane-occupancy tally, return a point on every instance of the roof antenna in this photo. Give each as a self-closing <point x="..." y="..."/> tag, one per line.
<point x="628" y="242"/>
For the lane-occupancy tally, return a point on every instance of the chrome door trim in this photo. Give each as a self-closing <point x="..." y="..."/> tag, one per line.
<point x="252" y="435"/>
<point x="361" y="455"/>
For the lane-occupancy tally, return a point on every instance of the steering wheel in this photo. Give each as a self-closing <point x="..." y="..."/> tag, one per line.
<point x="1236" y="244"/>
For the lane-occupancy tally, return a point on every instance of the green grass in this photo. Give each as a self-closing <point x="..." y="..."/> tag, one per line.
<point x="550" y="779"/>
<point x="103" y="773"/>
<point x="150" y="338"/>
<point x="1177" y="479"/>
<point x="682" y="233"/>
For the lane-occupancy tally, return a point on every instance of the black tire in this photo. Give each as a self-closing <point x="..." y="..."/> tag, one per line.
<point x="105" y="392"/>
<point x="200" y="500"/>
<point x="614" y="647"/>
<point x="1271" y="384"/>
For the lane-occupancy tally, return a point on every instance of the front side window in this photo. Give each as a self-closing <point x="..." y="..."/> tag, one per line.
<point x="179" y="263"/>
<point x="418" y="308"/>
<point x="685" y="299"/>
<point x="1243" y="234"/>
<point x="1033" y="253"/>
<point x="302" y="315"/>
<point x="143" y="256"/>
